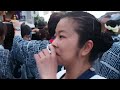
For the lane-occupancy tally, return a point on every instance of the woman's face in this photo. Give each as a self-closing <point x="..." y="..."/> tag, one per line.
<point x="66" y="42"/>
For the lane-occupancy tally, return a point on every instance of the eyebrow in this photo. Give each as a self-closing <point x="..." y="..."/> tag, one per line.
<point x="61" y="31"/>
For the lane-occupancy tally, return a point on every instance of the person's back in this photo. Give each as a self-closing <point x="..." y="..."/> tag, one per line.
<point x="18" y="59"/>
<point x="5" y="61"/>
<point x="5" y="65"/>
<point x="17" y="53"/>
<point x="21" y="55"/>
<point x="29" y="48"/>
<point x="109" y="64"/>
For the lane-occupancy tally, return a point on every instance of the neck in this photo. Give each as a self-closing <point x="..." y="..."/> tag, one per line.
<point x="76" y="69"/>
<point x="25" y="38"/>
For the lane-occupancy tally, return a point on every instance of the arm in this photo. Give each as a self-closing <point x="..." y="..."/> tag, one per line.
<point x="16" y="25"/>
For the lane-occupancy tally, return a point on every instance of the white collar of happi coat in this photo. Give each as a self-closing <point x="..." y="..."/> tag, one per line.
<point x="1" y="47"/>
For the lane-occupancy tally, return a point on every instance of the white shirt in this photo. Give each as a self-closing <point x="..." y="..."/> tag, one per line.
<point x="62" y="72"/>
<point x="1" y="47"/>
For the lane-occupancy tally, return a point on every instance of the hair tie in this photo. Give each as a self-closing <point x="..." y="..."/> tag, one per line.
<point x="115" y="29"/>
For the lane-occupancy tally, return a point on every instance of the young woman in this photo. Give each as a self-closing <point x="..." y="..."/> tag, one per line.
<point x="76" y="46"/>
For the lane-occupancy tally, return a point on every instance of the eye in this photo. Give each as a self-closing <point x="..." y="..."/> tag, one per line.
<point x="61" y="36"/>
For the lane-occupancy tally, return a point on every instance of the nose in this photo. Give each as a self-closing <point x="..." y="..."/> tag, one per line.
<point x="55" y="43"/>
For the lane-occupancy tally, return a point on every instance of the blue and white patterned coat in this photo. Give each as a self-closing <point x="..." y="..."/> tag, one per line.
<point x="5" y="64"/>
<point x="109" y="65"/>
<point x="27" y="50"/>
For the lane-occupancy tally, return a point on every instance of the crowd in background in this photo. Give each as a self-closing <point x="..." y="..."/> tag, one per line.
<point x="93" y="47"/>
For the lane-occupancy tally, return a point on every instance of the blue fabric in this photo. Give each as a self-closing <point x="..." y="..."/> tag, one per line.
<point x="109" y="64"/>
<point x="115" y="17"/>
<point x="5" y="64"/>
<point x="116" y="38"/>
<point x="25" y="50"/>
<point x="87" y="74"/>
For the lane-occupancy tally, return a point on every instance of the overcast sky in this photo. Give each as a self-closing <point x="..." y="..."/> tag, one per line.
<point x="98" y="14"/>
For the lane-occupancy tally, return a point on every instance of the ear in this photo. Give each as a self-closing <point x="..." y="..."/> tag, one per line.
<point x="87" y="48"/>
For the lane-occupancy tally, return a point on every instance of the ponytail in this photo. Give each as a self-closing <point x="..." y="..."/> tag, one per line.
<point x="101" y="44"/>
<point x="106" y="42"/>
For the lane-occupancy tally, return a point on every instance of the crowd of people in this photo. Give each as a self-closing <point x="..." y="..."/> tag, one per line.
<point x="80" y="47"/>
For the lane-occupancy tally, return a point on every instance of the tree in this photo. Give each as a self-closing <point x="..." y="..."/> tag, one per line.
<point x="38" y="19"/>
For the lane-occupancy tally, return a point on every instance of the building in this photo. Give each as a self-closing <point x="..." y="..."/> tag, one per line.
<point x="28" y="16"/>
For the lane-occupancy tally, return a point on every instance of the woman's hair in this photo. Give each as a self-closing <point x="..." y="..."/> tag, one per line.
<point x="53" y="21"/>
<point x="8" y="42"/>
<point x="2" y="29"/>
<point x="89" y="28"/>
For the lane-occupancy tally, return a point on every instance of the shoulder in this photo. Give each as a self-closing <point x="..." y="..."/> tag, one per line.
<point x="97" y="77"/>
<point x="60" y="74"/>
<point x="4" y="51"/>
<point x="116" y="44"/>
<point x="39" y="45"/>
<point x="4" y="56"/>
<point x="114" y="50"/>
<point x="18" y="38"/>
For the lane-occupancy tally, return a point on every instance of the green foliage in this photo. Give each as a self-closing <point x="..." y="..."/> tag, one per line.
<point x="38" y="18"/>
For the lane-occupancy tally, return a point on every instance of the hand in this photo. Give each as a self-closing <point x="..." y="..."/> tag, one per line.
<point x="16" y="24"/>
<point x="35" y="30"/>
<point x="47" y="63"/>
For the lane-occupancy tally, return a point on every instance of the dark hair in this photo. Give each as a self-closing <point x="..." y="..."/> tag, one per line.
<point x="8" y="42"/>
<point x="41" y="24"/>
<point x="112" y="23"/>
<point x="25" y="30"/>
<point x="89" y="28"/>
<point x="2" y="29"/>
<point x="43" y="34"/>
<point x="53" y="21"/>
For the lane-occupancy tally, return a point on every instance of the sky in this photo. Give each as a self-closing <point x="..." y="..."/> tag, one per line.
<point x="97" y="14"/>
<point x="46" y="17"/>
